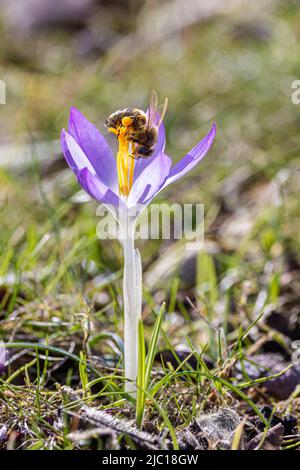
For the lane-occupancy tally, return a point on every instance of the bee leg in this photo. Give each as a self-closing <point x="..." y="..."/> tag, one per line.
<point x="131" y="155"/>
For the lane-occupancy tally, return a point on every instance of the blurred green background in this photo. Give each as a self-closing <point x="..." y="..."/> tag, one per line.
<point x="230" y="62"/>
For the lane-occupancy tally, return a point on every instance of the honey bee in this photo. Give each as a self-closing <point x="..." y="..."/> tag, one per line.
<point x="142" y="128"/>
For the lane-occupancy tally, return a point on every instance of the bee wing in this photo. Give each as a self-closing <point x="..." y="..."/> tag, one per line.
<point x="162" y="111"/>
<point x="152" y="109"/>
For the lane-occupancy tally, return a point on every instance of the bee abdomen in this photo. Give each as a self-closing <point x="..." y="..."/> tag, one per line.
<point x="145" y="137"/>
<point x="143" y="151"/>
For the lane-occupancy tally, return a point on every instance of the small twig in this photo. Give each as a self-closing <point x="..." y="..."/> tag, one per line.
<point x="104" y="419"/>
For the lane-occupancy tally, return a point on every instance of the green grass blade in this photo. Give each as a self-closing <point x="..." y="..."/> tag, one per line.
<point x="140" y="397"/>
<point x="153" y="344"/>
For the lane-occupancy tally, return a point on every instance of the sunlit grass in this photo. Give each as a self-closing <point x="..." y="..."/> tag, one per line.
<point x="60" y="287"/>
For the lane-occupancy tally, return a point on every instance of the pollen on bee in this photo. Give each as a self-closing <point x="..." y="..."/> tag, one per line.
<point x="127" y="121"/>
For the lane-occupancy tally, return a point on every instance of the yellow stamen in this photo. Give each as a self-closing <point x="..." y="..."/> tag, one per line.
<point x="113" y="130"/>
<point x="120" y="173"/>
<point x="125" y="164"/>
<point x="131" y="164"/>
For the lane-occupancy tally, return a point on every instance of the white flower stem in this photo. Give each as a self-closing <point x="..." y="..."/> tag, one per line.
<point x="132" y="294"/>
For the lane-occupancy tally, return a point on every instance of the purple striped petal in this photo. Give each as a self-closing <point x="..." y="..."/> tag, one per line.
<point x="85" y="172"/>
<point x="191" y="159"/>
<point x="142" y="163"/>
<point x="95" y="147"/>
<point x="97" y="189"/>
<point x="74" y="155"/>
<point x="150" y="181"/>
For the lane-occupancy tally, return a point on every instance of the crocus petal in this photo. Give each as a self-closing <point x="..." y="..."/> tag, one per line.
<point x="192" y="158"/>
<point x="97" y="189"/>
<point x="95" y="147"/>
<point x="150" y="181"/>
<point x="142" y="163"/>
<point x="161" y="138"/>
<point x="85" y="172"/>
<point x="74" y="155"/>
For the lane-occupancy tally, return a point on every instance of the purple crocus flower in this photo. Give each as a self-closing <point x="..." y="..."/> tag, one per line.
<point x="126" y="185"/>
<point x="90" y="157"/>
